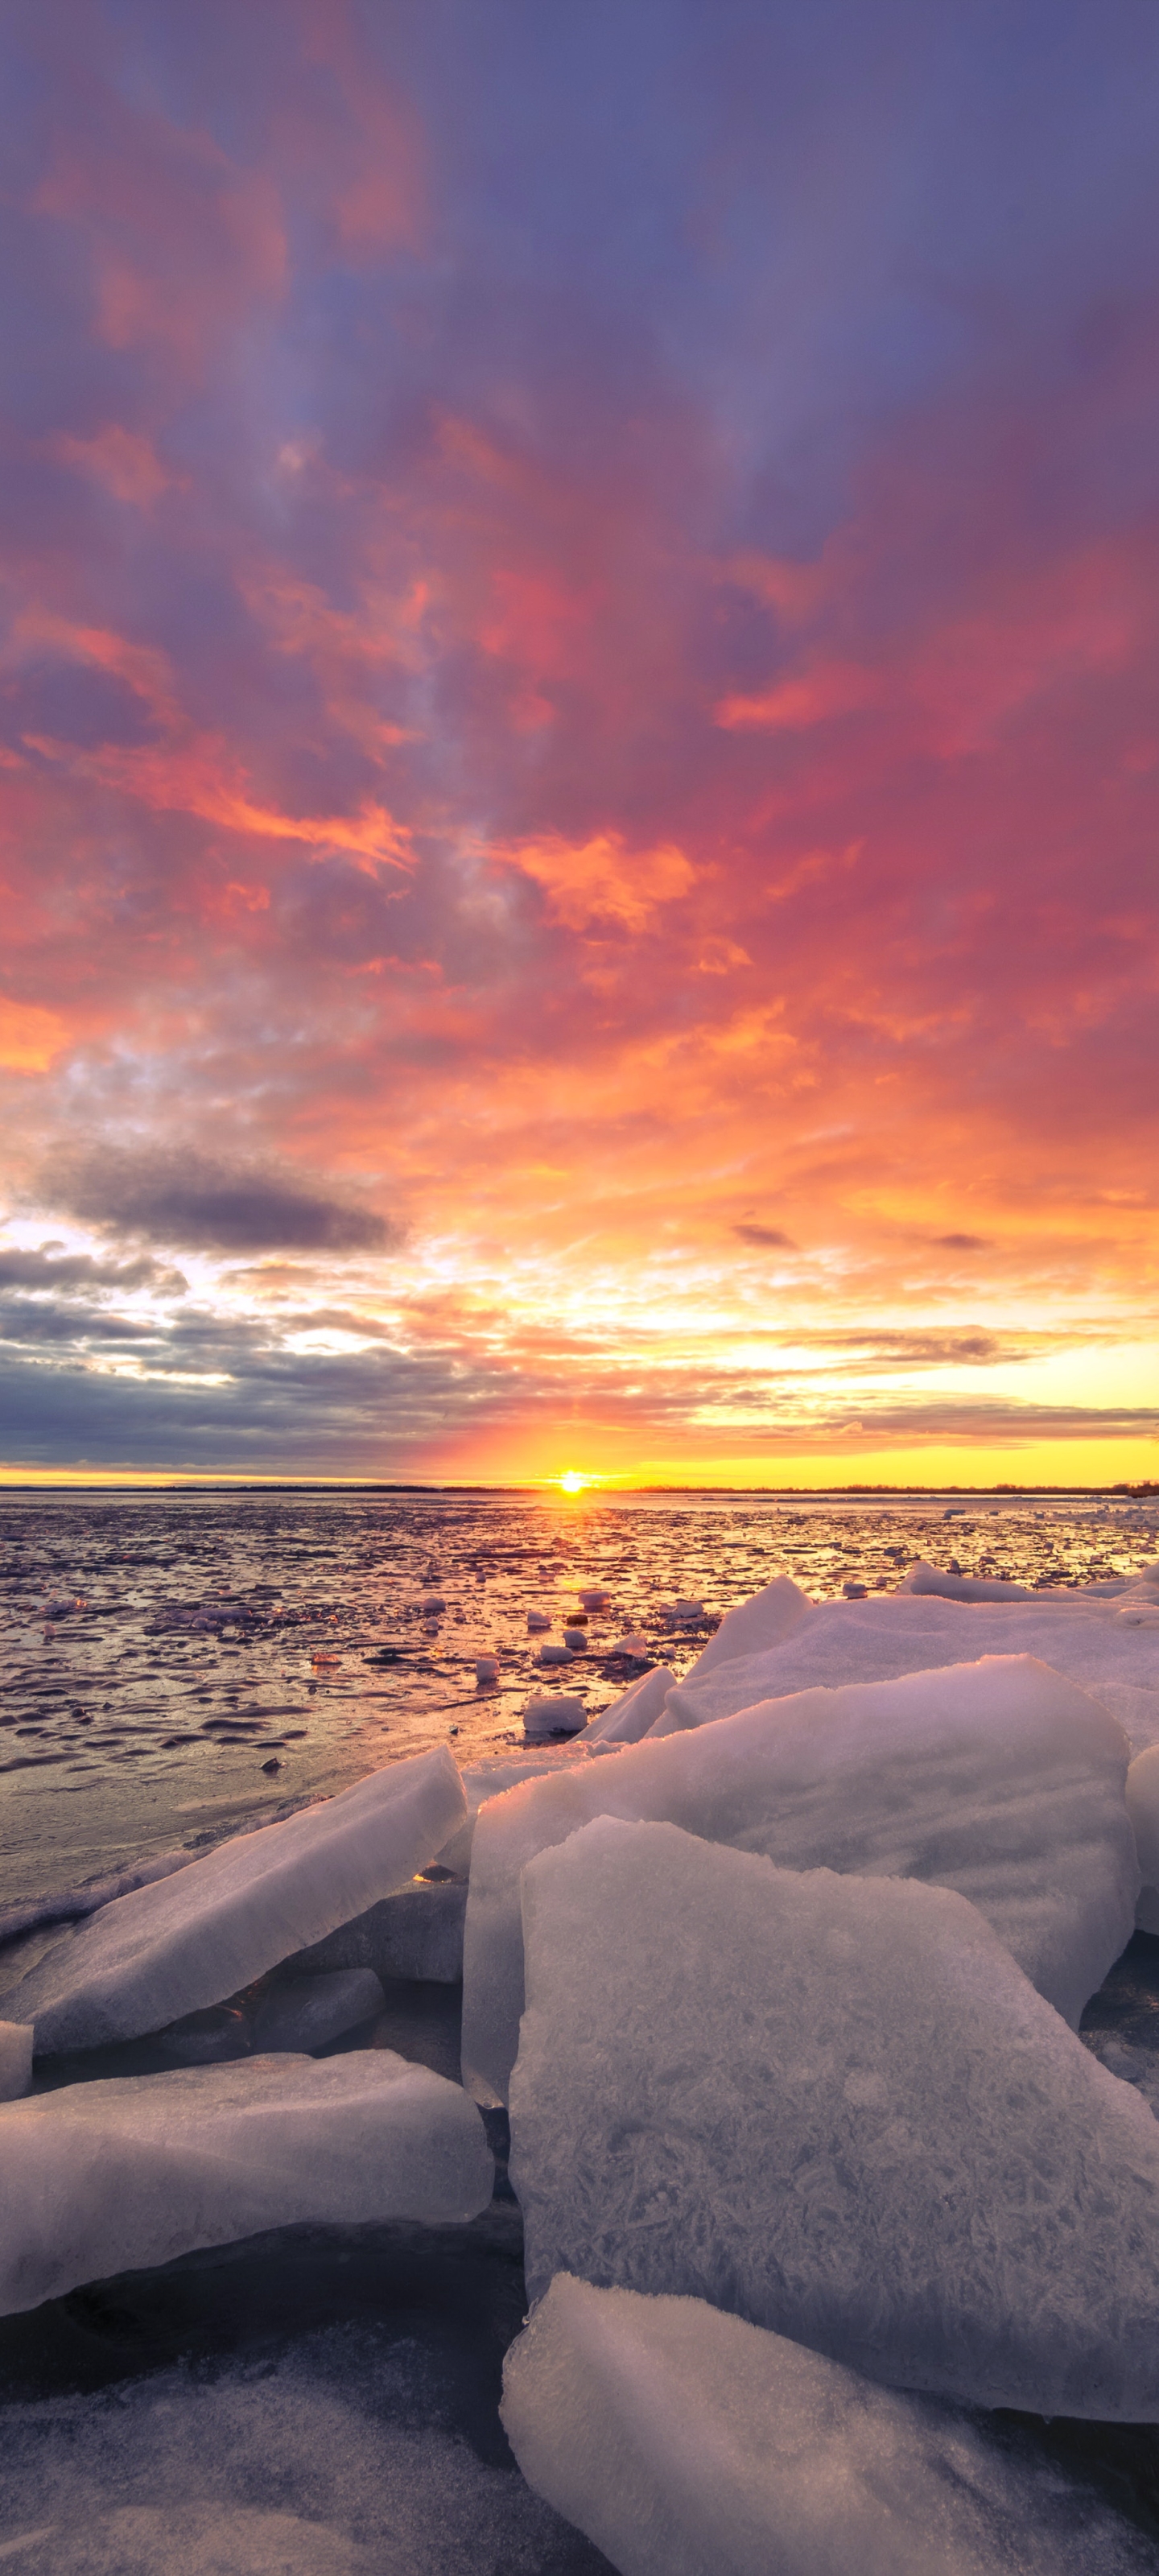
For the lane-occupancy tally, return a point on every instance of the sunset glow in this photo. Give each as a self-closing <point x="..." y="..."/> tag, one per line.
<point x="578" y="782"/>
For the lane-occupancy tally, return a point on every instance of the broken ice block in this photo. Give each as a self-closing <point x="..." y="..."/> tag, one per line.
<point x="101" y="2177"/>
<point x="630" y="1716"/>
<point x="999" y="1778"/>
<point x="837" y="2107"/>
<point x="559" y="1713"/>
<point x="687" y="2443"/>
<point x="168" y="1950"/>
<point x="418" y="1933"/>
<point x="15" y="2059"/>
<point x="1076" y="1633"/>
<point x="961" y="1587"/>
<point x="756" y="1625"/>
<point x="308" y="2012"/>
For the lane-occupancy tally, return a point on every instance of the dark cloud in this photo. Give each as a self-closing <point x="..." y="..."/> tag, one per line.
<point x="769" y="1236"/>
<point x="71" y="1273"/>
<point x="194" y="1200"/>
<point x="963" y="1242"/>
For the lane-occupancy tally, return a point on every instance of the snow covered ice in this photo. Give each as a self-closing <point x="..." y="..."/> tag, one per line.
<point x="149" y="1958"/>
<point x="102" y="2177"/>
<point x="688" y="2443"/>
<point x="999" y="1778"/>
<point x="834" y="2106"/>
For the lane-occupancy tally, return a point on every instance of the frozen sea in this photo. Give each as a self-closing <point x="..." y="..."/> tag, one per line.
<point x="324" y="2401"/>
<point x="172" y="1665"/>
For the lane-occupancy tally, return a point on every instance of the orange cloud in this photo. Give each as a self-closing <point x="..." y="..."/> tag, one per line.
<point x="602" y="879"/>
<point x="31" y="1038"/>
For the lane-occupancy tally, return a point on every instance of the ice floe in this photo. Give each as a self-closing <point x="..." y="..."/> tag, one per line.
<point x="1000" y="1778"/>
<point x="836" y="2107"/>
<point x="102" y="2177"/>
<point x="191" y="1939"/>
<point x="686" y="2442"/>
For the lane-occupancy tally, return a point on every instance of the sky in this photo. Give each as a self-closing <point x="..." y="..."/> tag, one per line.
<point x="580" y="740"/>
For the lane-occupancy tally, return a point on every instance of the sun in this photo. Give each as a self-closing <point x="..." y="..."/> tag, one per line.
<point x="572" y="1483"/>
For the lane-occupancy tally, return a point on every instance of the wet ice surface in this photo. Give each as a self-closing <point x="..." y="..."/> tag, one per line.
<point x="325" y="2399"/>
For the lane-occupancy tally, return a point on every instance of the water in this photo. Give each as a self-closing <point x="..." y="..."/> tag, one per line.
<point x="172" y="1665"/>
<point x="325" y="2399"/>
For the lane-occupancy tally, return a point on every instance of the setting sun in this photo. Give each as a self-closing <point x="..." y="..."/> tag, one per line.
<point x="571" y="1483"/>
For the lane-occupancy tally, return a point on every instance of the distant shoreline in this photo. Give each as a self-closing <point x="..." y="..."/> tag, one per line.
<point x="1146" y="1492"/>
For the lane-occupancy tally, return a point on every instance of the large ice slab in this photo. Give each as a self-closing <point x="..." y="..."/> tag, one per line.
<point x="756" y="1625"/>
<point x="923" y="1577"/>
<point x="637" y="1708"/>
<point x="998" y="1778"/>
<point x="1095" y="1641"/>
<point x="15" y="2059"/>
<point x="688" y="2443"/>
<point x="416" y="1934"/>
<point x="836" y="2107"/>
<point x="149" y="1958"/>
<point x="105" y="2177"/>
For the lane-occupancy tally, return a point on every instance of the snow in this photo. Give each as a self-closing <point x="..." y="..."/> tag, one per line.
<point x="106" y="2176"/>
<point x="836" y="2107"/>
<point x="998" y="1778"/>
<point x="688" y="2443"/>
<point x="15" y="2059"/>
<point x="345" y="2450"/>
<point x="171" y="1948"/>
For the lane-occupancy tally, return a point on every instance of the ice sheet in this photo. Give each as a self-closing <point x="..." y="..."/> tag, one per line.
<point x="834" y="2106"/>
<point x="149" y="1958"/>
<point x="688" y="2443"/>
<point x="103" y="2177"/>
<point x="999" y="1778"/>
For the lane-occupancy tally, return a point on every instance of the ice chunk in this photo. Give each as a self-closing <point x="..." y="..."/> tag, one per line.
<point x="308" y="2012"/>
<point x="753" y="1626"/>
<point x="171" y="1948"/>
<point x="960" y="1587"/>
<point x="630" y="1716"/>
<point x="1143" y="1810"/>
<point x="418" y="1933"/>
<point x="882" y="1638"/>
<point x="101" y="2177"/>
<point x="998" y="1778"/>
<point x="688" y="2443"/>
<point x="1137" y="1711"/>
<point x="15" y="2059"/>
<point x="836" y="2107"/>
<point x="558" y="1713"/>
